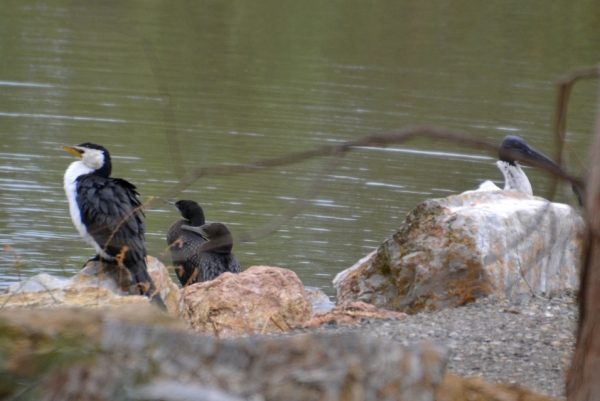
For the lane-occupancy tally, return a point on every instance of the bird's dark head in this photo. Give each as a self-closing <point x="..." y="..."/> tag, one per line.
<point x="191" y="211"/>
<point x="93" y="156"/>
<point x="217" y="235"/>
<point x="513" y="148"/>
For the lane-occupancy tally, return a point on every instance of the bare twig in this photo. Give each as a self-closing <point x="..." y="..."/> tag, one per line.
<point x="277" y="324"/>
<point x="560" y="120"/>
<point x="336" y="152"/>
<point x="294" y="209"/>
<point x="374" y="139"/>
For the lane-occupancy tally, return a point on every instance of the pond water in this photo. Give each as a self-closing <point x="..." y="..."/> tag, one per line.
<point x="168" y="86"/>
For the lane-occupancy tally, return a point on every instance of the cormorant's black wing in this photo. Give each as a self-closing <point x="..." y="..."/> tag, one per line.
<point x="113" y="216"/>
<point x="212" y="265"/>
<point x="184" y="246"/>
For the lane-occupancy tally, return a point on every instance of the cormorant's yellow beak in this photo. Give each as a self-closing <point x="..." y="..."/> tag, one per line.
<point x="73" y="150"/>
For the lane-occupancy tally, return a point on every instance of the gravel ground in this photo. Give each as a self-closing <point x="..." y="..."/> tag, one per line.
<point x="526" y="340"/>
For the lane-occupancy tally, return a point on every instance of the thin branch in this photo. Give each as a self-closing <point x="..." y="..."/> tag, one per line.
<point x="337" y="152"/>
<point x="294" y="209"/>
<point x="560" y="120"/>
<point x="374" y="139"/>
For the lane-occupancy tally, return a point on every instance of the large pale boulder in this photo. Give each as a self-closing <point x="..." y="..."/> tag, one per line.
<point x="261" y="299"/>
<point x="137" y="353"/>
<point x="96" y="285"/>
<point x="450" y="251"/>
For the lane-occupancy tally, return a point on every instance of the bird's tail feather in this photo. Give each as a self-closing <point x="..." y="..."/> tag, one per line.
<point x="144" y="285"/>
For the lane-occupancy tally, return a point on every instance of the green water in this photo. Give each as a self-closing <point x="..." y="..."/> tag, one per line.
<point x="167" y="86"/>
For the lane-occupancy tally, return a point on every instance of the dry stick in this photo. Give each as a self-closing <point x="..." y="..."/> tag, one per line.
<point x="214" y="324"/>
<point x="560" y="120"/>
<point x="277" y="324"/>
<point x="338" y="151"/>
<point x="264" y="329"/>
<point x="374" y="139"/>
<point x="294" y="209"/>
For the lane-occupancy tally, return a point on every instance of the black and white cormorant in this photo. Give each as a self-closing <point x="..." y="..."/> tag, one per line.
<point x="513" y="148"/>
<point x="215" y="254"/>
<point x="183" y="244"/>
<point x="108" y="214"/>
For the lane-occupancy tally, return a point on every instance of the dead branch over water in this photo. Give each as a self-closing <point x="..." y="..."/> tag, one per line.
<point x="336" y="153"/>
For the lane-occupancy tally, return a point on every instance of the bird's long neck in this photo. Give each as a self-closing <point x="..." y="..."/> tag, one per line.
<point x="197" y="219"/>
<point x="515" y="178"/>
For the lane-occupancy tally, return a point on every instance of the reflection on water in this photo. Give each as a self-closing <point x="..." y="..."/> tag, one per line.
<point x="167" y="87"/>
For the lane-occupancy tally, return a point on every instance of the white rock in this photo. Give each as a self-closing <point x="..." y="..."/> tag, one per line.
<point x="450" y="251"/>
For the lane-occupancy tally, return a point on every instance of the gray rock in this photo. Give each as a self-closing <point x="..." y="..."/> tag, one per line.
<point x="453" y="250"/>
<point x="127" y="352"/>
<point x="97" y="284"/>
<point x="319" y="300"/>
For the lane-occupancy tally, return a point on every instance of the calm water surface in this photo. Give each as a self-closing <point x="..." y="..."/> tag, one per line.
<point x="169" y="86"/>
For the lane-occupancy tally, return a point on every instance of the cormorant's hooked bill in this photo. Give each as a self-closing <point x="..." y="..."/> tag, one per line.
<point x="108" y="214"/>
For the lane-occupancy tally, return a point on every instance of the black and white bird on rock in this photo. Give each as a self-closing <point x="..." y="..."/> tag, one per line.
<point x="108" y="214"/>
<point x="214" y="255"/>
<point x="183" y="244"/>
<point x="512" y="150"/>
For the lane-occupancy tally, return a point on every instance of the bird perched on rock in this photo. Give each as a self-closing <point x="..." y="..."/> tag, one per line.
<point x="108" y="214"/>
<point x="513" y="149"/>
<point x="214" y="254"/>
<point x="183" y="244"/>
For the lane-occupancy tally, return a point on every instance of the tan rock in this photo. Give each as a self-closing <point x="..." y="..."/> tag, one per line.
<point x="96" y="285"/>
<point x="87" y="296"/>
<point x="259" y="300"/>
<point x="455" y="388"/>
<point x="450" y="251"/>
<point x="352" y="313"/>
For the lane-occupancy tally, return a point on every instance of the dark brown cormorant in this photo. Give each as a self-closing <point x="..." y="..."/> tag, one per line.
<point x="108" y="214"/>
<point x="183" y="244"/>
<point x="215" y="254"/>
